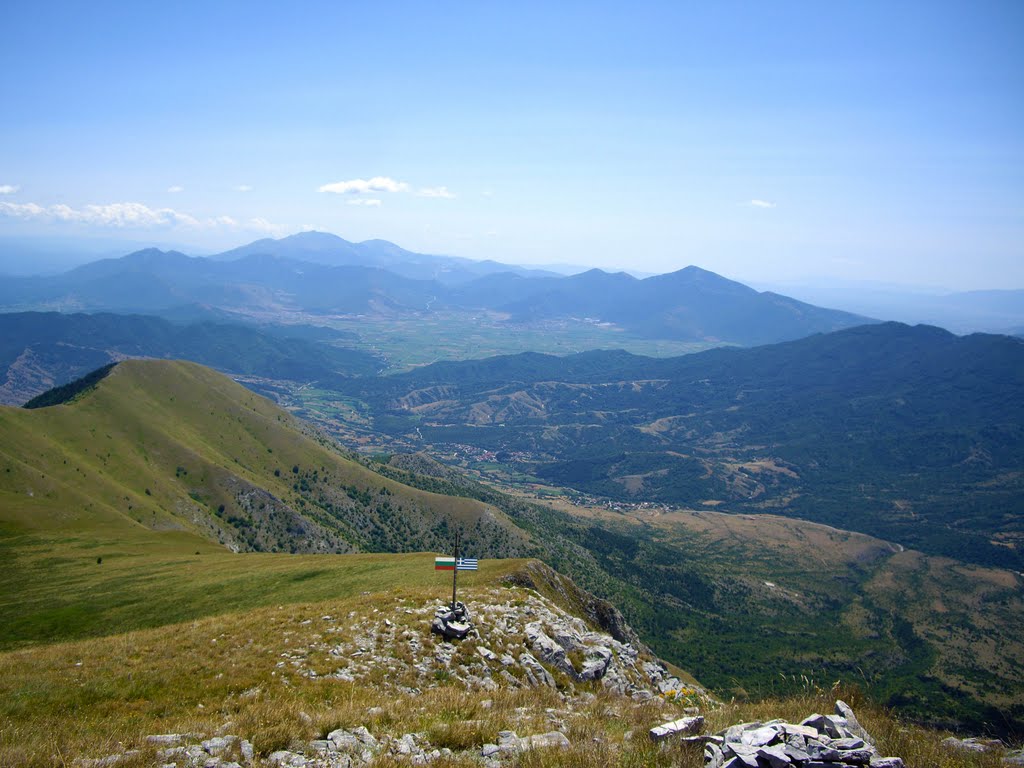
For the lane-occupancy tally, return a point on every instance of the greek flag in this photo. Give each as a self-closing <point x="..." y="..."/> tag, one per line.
<point x="466" y="564"/>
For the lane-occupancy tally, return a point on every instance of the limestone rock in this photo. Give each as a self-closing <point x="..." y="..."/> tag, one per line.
<point x="686" y="726"/>
<point x="972" y="744"/>
<point x="535" y="672"/>
<point x="218" y="745"/>
<point x="285" y="759"/>
<point x="554" y="739"/>
<point x="168" y="739"/>
<point x="844" y="711"/>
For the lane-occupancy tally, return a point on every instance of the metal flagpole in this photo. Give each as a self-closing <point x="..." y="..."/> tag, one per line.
<point x="455" y="571"/>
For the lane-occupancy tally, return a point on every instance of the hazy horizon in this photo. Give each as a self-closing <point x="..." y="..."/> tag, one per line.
<point x="51" y="255"/>
<point x="864" y="142"/>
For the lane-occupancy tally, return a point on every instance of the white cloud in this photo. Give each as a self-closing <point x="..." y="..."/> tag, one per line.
<point x="371" y="202"/>
<point x="761" y="204"/>
<point x="175" y="189"/>
<point x="363" y="186"/>
<point x="133" y="215"/>
<point x="436" y="192"/>
<point x="8" y="189"/>
<point x="22" y="210"/>
<point x="243" y="188"/>
<point x="111" y="215"/>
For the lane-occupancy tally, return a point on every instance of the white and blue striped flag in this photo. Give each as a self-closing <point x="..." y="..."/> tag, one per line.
<point x="466" y="564"/>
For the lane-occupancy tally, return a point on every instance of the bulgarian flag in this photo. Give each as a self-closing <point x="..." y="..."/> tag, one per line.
<point x="444" y="563"/>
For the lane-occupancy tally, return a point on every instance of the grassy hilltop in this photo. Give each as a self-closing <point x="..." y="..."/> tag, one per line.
<point x="163" y="468"/>
<point x="164" y="494"/>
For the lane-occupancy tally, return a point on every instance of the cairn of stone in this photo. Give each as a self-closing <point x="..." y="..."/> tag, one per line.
<point x="452" y="623"/>
<point x="820" y="741"/>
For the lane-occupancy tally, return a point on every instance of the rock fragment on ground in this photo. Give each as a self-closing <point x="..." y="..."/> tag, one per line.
<point x="686" y="726"/>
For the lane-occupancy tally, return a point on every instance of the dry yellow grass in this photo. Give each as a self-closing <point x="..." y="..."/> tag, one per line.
<point x="247" y="674"/>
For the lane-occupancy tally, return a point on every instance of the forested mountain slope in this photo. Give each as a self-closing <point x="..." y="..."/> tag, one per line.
<point x="911" y="434"/>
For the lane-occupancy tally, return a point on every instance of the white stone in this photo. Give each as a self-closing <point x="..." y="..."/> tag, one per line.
<point x="685" y="726"/>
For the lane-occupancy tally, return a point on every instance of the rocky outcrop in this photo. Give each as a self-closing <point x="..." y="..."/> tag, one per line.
<point x="546" y="581"/>
<point x="819" y="741"/>
<point x="514" y="638"/>
<point x="517" y="638"/>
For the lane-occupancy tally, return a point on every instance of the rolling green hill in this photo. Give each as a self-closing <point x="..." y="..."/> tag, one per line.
<point x="171" y="451"/>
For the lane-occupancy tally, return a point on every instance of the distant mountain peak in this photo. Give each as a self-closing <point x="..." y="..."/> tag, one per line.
<point x="698" y="275"/>
<point x="312" y="238"/>
<point x="149" y="254"/>
<point x="599" y="274"/>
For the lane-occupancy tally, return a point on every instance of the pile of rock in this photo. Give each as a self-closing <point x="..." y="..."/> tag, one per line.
<point x="452" y="623"/>
<point x="819" y="741"/>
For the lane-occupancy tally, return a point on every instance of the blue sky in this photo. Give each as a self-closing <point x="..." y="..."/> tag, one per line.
<point x="761" y="140"/>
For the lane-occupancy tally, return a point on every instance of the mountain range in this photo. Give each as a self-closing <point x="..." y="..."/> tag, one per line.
<point x="332" y="251"/>
<point x="322" y="275"/>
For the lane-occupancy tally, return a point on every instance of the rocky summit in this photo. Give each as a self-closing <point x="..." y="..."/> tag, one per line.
<point x="510" y="639"/>
<point x="516" y="638"/>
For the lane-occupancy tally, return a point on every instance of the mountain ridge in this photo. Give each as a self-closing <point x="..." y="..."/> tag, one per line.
<point x="259" y="280"/>
<point x="238" y="471"/>
<point x="331" y="250"/>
